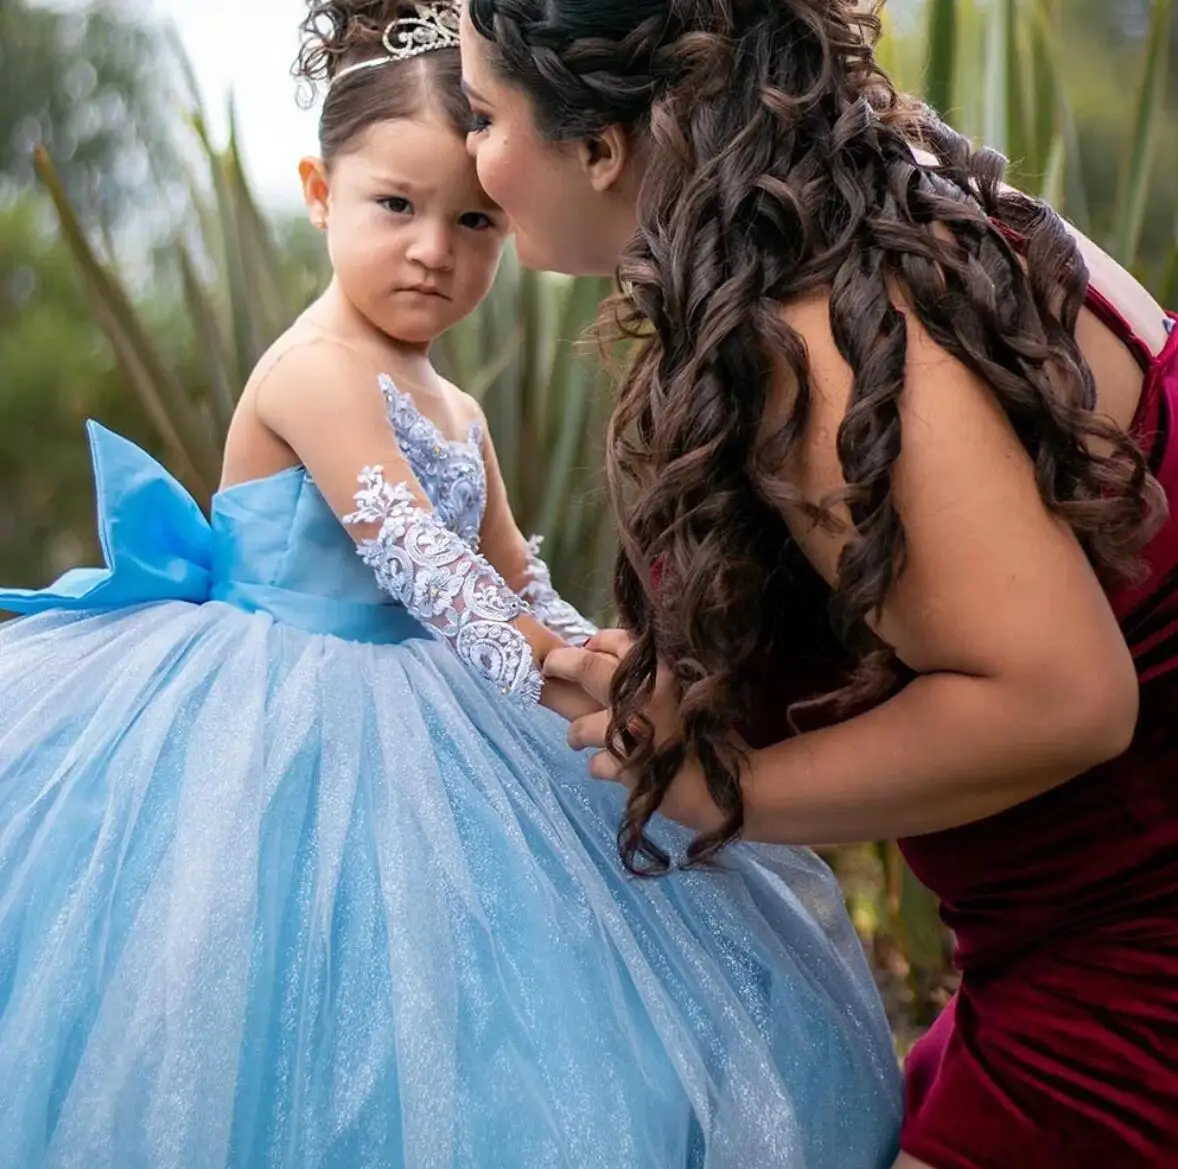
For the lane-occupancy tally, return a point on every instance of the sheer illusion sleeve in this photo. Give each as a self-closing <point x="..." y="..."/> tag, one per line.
<point x="435" y="575"/>
<point x="547" y="604"/>
<point x="518" y="560"/>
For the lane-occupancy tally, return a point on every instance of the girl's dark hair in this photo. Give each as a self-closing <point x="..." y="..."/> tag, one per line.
<point x="339" y="33"/>
<point x="780" y="162"/>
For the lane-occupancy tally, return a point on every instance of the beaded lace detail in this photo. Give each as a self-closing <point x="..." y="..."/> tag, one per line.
<point x="450" y="472"/>
<point x="436" y="575"/>
<point x="548" y="605"/>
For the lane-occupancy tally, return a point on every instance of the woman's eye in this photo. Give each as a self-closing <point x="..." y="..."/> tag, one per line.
<point x="477" y="220"/>
<point x="477" y="123"/>
<point x="396" y="205"/>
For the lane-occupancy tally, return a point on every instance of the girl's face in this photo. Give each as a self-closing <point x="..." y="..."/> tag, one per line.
<point x="414" y="240"/>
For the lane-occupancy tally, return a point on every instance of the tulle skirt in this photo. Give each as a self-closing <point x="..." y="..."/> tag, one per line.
<point x="270" y="898"/>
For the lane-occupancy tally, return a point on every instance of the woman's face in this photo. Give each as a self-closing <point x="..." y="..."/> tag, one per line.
<point x="570" y="213"/>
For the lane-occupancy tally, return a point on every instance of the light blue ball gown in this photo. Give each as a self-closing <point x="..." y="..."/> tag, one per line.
<point x="284" y="883"/>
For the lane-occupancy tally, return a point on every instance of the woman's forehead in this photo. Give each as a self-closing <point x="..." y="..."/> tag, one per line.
<point x="473" y="50"/>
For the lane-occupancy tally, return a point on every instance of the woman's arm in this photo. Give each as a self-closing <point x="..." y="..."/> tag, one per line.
<point x="1024" y="678"/>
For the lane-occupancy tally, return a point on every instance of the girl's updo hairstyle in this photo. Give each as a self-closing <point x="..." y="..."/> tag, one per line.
<point x="337" y="34"/>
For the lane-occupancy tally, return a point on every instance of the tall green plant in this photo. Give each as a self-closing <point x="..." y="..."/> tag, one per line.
<point x="172" y="410"/>
<point x="236" y="299"/>
<point x="1137" y="163"/>
<point x="525" y="354"/>
<point x="1012" y="97"/>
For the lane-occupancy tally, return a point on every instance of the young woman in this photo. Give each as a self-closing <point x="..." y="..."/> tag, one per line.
<point x="874" y="384"/>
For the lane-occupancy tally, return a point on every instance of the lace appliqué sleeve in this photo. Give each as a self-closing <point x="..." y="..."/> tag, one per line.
<point x="419" y="562"/>
<point x="547" y="604"/>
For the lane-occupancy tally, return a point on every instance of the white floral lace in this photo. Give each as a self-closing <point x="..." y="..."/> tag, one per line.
<point x="430" y="570"/>
<point x="450" y="471"/>
<point x="548" y="605"/>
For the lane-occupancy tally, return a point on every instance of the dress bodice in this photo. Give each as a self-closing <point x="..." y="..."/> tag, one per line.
<point x="278" y="534"/>
<point x="272" y="545"/>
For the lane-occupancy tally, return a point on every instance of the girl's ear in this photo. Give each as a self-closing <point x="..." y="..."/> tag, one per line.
<point x="316" y="190"/>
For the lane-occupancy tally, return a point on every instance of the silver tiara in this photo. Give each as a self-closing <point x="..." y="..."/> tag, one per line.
<point x="431" y="27"/>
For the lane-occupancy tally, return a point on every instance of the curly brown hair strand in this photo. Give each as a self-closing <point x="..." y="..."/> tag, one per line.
<point x="782" y="163"/>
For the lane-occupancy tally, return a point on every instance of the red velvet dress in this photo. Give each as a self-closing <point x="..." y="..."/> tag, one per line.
<point x="1060" y="1051"/>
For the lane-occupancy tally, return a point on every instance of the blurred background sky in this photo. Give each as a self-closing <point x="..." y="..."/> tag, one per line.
<point x="247" y="46"/>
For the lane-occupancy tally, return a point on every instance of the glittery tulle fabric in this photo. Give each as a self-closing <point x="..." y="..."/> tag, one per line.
<point x="277" y="895"/>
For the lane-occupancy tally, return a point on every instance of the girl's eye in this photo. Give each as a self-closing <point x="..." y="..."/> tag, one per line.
<point x="477" y="221"/>
<point x="396" y="205"/>
<point x="477" y="123"/>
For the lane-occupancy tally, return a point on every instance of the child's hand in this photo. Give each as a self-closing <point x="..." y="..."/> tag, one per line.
<point x="590" y="669"/>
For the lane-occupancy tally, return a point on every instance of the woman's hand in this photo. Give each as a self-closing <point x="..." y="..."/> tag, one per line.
<point x="591" y="669"/>
<point x="568" y="699"/>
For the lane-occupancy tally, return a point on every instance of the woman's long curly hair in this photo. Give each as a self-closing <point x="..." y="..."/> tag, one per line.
<point x="780" y="162"/>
